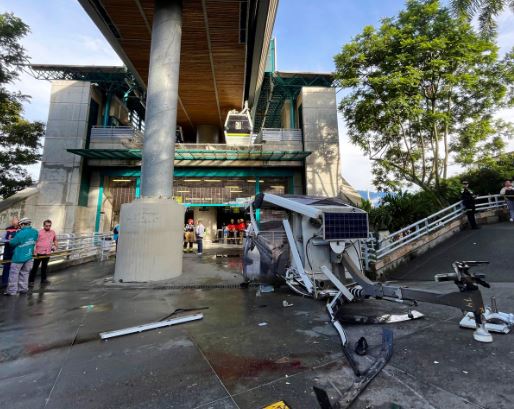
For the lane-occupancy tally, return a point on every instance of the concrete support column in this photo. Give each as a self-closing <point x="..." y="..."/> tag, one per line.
<point x="292" y="119"/>
<point x="162" y="100"/>
<point x="107" y="108"/>
<point x="151" y="228"/>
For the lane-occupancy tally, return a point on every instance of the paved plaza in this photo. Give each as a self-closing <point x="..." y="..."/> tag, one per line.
<point x="248" y="351"/>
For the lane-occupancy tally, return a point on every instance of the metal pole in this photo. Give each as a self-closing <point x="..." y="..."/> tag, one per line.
<point x="161" y="100"/>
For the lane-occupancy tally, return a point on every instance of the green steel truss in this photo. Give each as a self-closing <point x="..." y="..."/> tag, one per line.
<point x="277" y="87"/>
<point x="113" y="80"/>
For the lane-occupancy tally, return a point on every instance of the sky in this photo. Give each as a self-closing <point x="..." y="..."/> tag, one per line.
<point x="308" y="34"/>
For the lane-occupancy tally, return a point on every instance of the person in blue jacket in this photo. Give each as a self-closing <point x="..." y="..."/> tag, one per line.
<point x="23" y="244"/>
<point x="9" y="234"/>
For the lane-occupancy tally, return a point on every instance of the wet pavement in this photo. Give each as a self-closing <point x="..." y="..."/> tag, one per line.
<point x="247" y="352"/>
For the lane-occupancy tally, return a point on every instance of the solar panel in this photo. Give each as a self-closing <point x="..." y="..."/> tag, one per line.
<point x="345" y="226"/>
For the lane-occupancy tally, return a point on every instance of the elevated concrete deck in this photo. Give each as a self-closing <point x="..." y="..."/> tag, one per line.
<point x="51" y="355"/>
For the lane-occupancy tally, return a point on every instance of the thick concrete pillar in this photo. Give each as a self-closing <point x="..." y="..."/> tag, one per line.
<point x="151" y="228"/>
<point x="162" y="100"/>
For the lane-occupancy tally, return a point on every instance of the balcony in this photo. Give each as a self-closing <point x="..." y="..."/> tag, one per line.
<point x="115" y="137"/>
<point x="279" y="135"/>
<point x="119" y="137"/>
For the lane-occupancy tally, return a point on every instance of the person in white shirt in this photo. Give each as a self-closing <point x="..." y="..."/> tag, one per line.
<point x="508" y="192"/>
<point x="200" y="232"/>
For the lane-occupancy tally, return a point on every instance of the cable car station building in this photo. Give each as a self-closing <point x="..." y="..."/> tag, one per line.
<point x="166" y="126"/>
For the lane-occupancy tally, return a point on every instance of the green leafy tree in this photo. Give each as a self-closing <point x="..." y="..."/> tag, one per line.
<point x="487" y="176"/>
<point x="423" y="90"/>
<point x="486" y="10"/>
<point x="19" y="138"/>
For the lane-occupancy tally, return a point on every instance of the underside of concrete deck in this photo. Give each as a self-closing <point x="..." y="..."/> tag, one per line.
<point x="248" y="351"/>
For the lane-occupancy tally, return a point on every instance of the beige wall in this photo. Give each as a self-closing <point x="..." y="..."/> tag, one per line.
<point x="321" y="137"/>
<point x="285" y="116"/>
<point x="24" y="207"/>
<point x="59" y="181"/>
<point x="86" y="216"/>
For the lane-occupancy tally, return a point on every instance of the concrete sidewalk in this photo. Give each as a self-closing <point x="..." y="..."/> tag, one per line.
<point x="247" y="352"/>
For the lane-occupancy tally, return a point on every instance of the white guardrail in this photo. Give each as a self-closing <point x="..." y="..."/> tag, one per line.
<point x="75" y="247"/>
<point x="373" y="249"/>
<point x="279" y="135"/>
<point x="102" y="245"/>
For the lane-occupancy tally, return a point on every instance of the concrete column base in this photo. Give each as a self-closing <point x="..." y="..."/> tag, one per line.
<point x="150" y="240"/>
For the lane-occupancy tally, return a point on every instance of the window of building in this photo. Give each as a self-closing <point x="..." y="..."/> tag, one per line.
<point x="118" y="190"/>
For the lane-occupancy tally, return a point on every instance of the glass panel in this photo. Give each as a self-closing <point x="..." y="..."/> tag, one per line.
<point x="278" y="186"/>
<point x="213" y="190"/>
<point x="118" y="190"/>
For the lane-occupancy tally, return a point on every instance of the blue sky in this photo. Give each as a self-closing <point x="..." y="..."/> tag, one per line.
<point x="309" y="33"/>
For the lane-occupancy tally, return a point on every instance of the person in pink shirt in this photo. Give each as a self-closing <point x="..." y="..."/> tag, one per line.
<point x="45" y="244"/>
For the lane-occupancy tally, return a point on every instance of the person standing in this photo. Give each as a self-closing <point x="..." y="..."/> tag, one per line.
<point x="508" y="193"/>
<point x="189" y="236"/>
<point x="231" y="232"/>
<point x="7" y="255"/>
<point x="468" y="200"/>
<point x="200" y="232"/>
<point x="23" y="244"/>
<point x="116" y="234"/>
<point x="241" y="227"/>
<point x="46" y="243"/>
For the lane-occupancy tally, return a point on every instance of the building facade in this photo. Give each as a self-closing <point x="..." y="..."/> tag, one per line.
<point x="93" y="154"/>
<point x="91" y="161"/>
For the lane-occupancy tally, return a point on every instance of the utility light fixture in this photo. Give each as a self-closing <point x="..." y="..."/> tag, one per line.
<point x="183" y="191"/>
<point x="121" y="180"/>
<point x="212" y="180"/>
<point x="192" y="180"/>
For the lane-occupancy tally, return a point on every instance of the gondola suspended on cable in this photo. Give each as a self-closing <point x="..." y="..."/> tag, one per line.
<point x="239" y="127"/>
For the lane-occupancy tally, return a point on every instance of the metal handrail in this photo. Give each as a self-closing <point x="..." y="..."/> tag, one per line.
<point x="73" y="247"/>
<point x="373" y="249"/>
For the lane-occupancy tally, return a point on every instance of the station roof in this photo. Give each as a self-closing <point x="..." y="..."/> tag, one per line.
<point x="197" y="154"/>
<point x="224" y="45"/>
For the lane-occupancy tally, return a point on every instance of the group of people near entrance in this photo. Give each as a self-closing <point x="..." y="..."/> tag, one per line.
<point x="235" y="232"/>
<point x="25" y="249"/>
<point x="193" y="234"/>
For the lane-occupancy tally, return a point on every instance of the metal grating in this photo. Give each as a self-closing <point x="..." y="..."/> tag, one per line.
<point x="345" y="226"/>
<point x="276" y="88"/>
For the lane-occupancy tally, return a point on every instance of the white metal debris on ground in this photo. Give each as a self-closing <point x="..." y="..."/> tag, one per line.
<point x="152" y="325"/>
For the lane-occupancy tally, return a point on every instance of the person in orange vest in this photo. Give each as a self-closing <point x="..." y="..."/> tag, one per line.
<point x="189" y="236"/>
<point x="241" y="227"/>
<point x="231" y="227"/>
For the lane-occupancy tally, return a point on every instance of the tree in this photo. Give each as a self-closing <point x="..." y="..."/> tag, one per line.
<point x="487" y="10"/>
<point x="19" y="138"/>
<point x="423" y="89"/>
